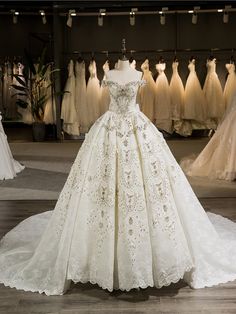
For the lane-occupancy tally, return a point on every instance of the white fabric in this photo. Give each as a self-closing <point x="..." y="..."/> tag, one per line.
<point x="218" y="158"/>
<point x="230" y="85"/>
<point x="8" y="166"/>
<point x="147" y="92"/>
<point x="80" y="96"/>
<point x="126" y="217"/>
<point x="194" y="100"/>
<point x="104" y="93"/>
<point x="93" y="94"/>
<point x="162" y="109"/>
<point x="68" y="109"/>
<point x="213" y="93"/>
<point x="177" y="93"/>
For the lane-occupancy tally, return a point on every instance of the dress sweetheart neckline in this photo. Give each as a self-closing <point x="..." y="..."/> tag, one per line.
<point x="124" y="84"/>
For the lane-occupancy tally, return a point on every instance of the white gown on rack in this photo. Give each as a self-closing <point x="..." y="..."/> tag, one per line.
<point x="213" y="93"/>
<point x="80" y="96"/>
<point x="147" y="92"/>
<point x="218" y="158"/>
<point x="230" y="85"/>
<point x="126" y="217"/>
<point x="50" y="105"/>
<point x="162" y="108"/>
<point x="194" y="100"/>
<point x="93" y="94"/>
<point x="176" y="93"/>
<point x="26" y="115"/>
<point x="104" y="94"/>
<point x="8" y="166"/>
<point x="68" y="110"/>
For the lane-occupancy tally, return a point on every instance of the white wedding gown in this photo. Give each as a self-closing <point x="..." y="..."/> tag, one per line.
<point x="230" y="85"/>
<point x="9" y="167"/>
<point x="218" y="159"/>
<point x="126" y="217"/>
<point x="212" y="89"/>
<point x="162" y="108"/>
<point x="104" y="93"/>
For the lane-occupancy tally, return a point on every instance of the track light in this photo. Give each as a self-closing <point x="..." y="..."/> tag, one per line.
<point x="102" y="13"/>
<point x="226" y="17"/>
<point x="15" y="16"/>
<point x="194" y="18"/>
<point x="71" y="13"/>
<point x="162" y="19"/>
<point x="42" y="13"/>
<point x="132" y="16"/>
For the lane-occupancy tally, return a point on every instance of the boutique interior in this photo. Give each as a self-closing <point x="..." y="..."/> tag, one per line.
<point x="54" y="58"/>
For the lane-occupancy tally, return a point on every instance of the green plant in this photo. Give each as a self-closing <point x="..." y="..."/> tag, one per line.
<point x="35" y="91"/>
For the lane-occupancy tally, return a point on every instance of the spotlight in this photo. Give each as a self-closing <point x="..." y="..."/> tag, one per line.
<point x="162" y="19"/>
<point x="42" y="13"/>
<point x="102" y="12"/>
<point x="220" y="10"/>
<point x="226" y="17"/>
<point x="132" y="16"/>
<point x="69" y="18"/>
<point x="194" y="18"/>
<point x="190" y="11"/>
<point x="15" y="16"/>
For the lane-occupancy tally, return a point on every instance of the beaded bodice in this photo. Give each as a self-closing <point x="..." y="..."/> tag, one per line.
<point x="123" y="96"/>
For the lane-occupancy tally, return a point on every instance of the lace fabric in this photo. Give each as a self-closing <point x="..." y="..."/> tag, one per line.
<point x="126" y="217"/>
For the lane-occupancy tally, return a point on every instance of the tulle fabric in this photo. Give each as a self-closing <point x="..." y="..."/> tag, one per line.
<point x="8" y="166"/>
<point x="230" y="85"/>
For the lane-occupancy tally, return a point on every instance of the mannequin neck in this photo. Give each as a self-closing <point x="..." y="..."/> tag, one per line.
<point x="123" y="65"/>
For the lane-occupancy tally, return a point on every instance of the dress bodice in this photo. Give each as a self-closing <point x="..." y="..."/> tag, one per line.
<point x="123" y="96"/>
<point x="191" y="66"/>
<point x="106" y="67"/>
<point x="80" y="69"/>
<point x="160" y="67"/>
<point x="175" y="65"/>
<point x="145" y="66"/>
<point x="230" y="67"/>
<point x="93" y="69"/>
<point x="211" y="66"/>
<point x="71" y="68"/>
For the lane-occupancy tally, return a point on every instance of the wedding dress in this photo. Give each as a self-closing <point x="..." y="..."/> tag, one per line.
<point x="194" y="100"/>
<point x="218" y="158"/>
<point x="147" y="92"/>
<point x="162" y="108"/>
<point x="104" y="93"/>
<point x="80" y="96"/>
<point x="126" y="217"/>
<point x="93" y="94"/>
<point x="68" y="110"/>
<point x="50" y="105"/>
<point x="230" y="85"/>
<point x="213" y="93"/>
<point x="8" y="166"/>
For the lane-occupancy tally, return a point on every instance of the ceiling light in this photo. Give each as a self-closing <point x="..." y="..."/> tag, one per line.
<point x="162" y="19"/>
<point x="102" y="12"/>
<point x="132" y="16"/>
<point x="69" y="17"/>
<point x="194" y="18"/>
<point x="226" y="17"/>
<point x="220" y="10"/>
<point x="190" y="11"/>
<point x="15" y="16"/>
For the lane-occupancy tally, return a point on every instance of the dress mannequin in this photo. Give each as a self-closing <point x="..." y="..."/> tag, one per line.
<point x="124" y="73"/>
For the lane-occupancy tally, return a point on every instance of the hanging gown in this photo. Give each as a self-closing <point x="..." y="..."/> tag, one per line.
<point x="8" y="166"/>
<point x="180" y="126"/>
<point x="25" y="113"/>
<point x="218" y="158"/>
<point x="230" y="85"/>
<point x="147" y="92"/>
<point x="162" y="108"/>
<point x="50" y="105"/>
<point x="126" y="217"/>
<point x="104" y="94"/>
<point x="68" y="110"/>
<point x="194" y="101"/>
<point x="8" y="91"/>
<point x="213" y="93"/>
<point x="80" y="96"/>
<point x="133" y="64"/>
<point x="93" y="94"/>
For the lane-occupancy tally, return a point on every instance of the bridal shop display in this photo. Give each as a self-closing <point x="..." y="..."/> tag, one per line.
<point x="170" y="105"/>
<point x="9" y="167"/>
<point x="136" y="230"/>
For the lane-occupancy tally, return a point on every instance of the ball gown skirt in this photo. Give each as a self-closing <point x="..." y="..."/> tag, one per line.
<point x="8" y="166"/>
<point x="126" y="217"/>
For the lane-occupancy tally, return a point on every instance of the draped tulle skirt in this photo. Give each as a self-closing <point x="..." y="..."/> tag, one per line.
<point x="126" y="218"/>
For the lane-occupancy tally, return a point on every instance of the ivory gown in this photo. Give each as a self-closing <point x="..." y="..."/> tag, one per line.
<point x="162" y="108"/>
<point x="104" y="94"/>
<point x="126" y="217"/>
<point x="230" y="85"/>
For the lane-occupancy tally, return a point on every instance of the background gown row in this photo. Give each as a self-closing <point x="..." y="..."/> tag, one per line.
<point x="170" y="106"/>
